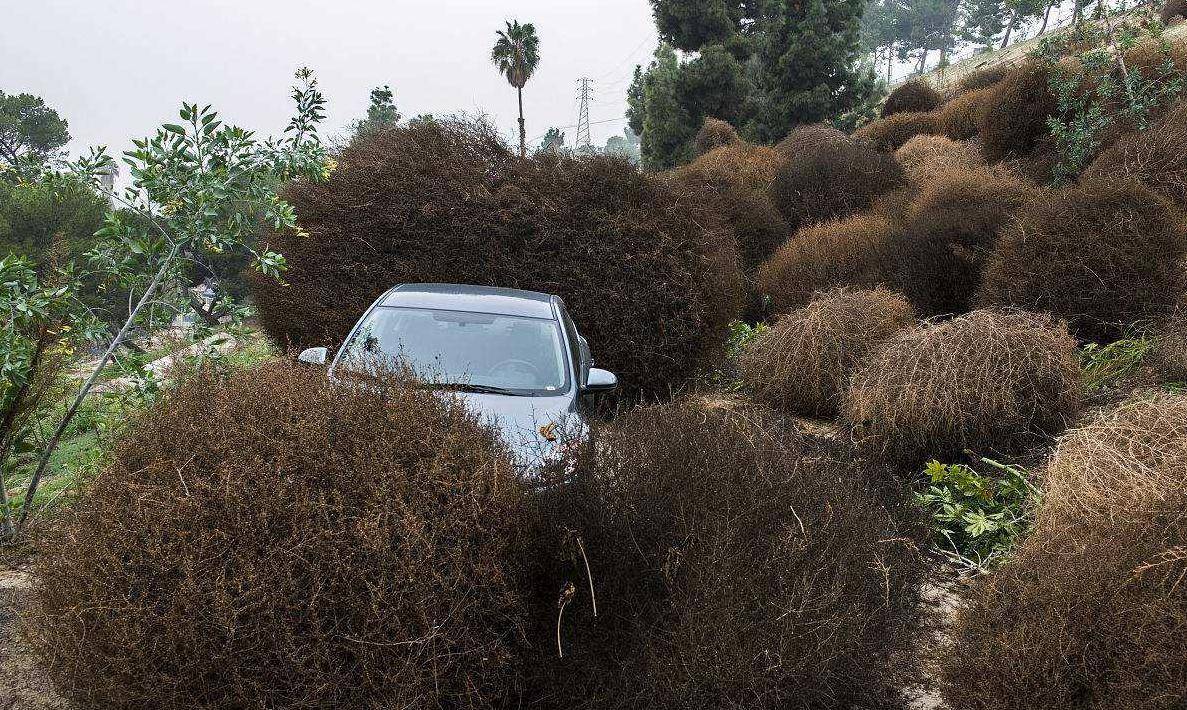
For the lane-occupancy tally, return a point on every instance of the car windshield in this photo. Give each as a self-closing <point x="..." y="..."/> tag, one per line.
<point x="481" y="352"/>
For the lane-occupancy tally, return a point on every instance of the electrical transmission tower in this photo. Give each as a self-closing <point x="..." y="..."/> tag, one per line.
<point x="585" y="89"/>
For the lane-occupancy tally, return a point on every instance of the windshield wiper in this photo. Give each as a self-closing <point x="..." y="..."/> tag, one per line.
<point x="480" y="389"/>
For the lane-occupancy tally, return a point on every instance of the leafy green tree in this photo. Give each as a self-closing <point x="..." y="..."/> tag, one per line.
<point x="198" y="187"/>
<point x="667" y="127"/>
<point x="36" y="218"/>
<point x="554" y="139"/>
<point x="690" y="24"/>
<point x="382" y="112"/>
<point x="517" y="54"/>
<point x="810" y="66"/>
<point x="30" y="132"/>
<point x="636" y="102"/>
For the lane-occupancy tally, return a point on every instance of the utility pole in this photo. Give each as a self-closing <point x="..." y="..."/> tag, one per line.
<point x="585" y="89"/>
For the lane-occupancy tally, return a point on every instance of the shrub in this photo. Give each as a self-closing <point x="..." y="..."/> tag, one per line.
<point x="276" y="540"/>
<point x="937" y="256"/>
<point x="448" y="201"/>
<point x="993" y="382"/>
<point x="830" y="179"/>
<point x="1172" y="10"/>
<point x="924" y="157"/>
<point x="1100" y="255"/>
<point x="981" y="79"/>
<point x="1091" y="611"/>
<point x="888" y="134"/>
<point x="736" y="178"/>
<point x="809" y="137"/>
<point x="1169" y="353"/>
<point x="847" y="252"/>
<point x="714" y="133"/>
<point x="960" y="118"/>
<point x="1157" y="157"/>
<point x="1015" y="111"/>
<point x="914" y="95"/>
<point x="735" y="564"/>
<point x="803" y="362"/>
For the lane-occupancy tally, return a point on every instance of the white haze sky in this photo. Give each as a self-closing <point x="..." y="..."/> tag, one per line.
<point x="116" y="69"/>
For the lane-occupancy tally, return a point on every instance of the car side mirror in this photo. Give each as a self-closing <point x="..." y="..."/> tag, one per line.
<point x="600" y="380"/>
<point x="314" y="356"/>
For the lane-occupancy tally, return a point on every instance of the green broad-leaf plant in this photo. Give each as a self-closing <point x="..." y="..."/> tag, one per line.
<point x="198" y="187"/>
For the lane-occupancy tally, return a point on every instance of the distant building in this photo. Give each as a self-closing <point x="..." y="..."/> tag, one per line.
<point x="107" y="178"/>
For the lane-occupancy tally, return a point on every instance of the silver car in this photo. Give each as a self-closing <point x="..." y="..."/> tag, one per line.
<point x="515" y="357"/>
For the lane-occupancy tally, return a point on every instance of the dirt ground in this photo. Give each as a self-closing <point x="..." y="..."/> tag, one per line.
<point x="22" y="686"/>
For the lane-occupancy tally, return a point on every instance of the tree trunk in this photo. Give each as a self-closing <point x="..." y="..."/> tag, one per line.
<point x="1047" y="16"/>
<point x="1010" y="27"/>
<point x="889" y="61"/>
<point x="523" y="140"/>
<point x="54" y="440"/>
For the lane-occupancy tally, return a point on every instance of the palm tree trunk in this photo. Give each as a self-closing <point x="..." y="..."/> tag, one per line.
<point x="523" y="140"/>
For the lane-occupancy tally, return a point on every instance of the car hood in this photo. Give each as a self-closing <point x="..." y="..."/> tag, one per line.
<point x="519" y="421"/>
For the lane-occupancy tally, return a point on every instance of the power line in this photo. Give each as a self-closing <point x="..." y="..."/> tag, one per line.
<point x="592" y="123"/>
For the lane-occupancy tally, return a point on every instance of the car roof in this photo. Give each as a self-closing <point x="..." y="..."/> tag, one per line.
<point x="476" y="299"/>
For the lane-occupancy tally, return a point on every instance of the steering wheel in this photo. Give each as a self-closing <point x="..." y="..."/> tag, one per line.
<point x="517" y="367"/>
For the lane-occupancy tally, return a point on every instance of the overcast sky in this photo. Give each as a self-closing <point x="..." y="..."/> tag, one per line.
<point x="116" y="69"/>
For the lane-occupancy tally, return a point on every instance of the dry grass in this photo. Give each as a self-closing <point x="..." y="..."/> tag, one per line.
<point x="890" y="133"/>
<point x="937" y="256"/>
<point x="1092" y="611"/>
<point x="735" y="564"/>
<point x="913" y="96"/>
<point x="926" y="156"/>
<point x="845" y="252"/>
<point x="1101" y="255"/>
<point x="276" y="540"/>
<point x="803" y="363"/>
<point x="992" y="382"/>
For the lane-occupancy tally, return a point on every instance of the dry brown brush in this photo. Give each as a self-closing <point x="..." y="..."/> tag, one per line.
<point x="1157" y="157"/>
<point x="831" y="178"/>
<point x="803" y="363"/>
<point x="925" y="157"/>
<point x="1091" y="613"/>
<point x="1101" y="255"/>
<point x="448" y="201"/>
<point x="276" y="540"/>
<point x="734" y="180"/>
<point x="734" y="564"/>
<point x="805" y="137"/>
<point x="714" y="133"/>
<point x="991" y="382"/>
<point x="1014" y="113"/>
<point x="844" y="252"/>
<point x="960" y="117"/>
<point x="936" y="257"/>
<point x="914" y="95"/>
<point x="981" y="79"/>
<point x="890" y="133"/>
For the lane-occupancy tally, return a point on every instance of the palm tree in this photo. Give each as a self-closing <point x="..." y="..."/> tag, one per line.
<point x="516" y="54"/>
